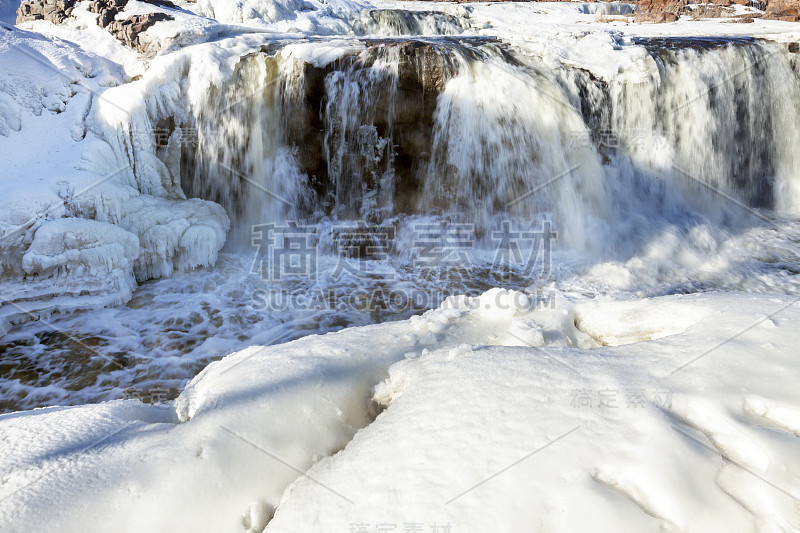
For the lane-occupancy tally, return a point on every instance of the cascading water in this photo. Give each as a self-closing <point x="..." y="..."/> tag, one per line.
<point x="358" y="113"/>
<point x="492" y="133"/>
<point x="400" y="22"/>
<point x="501" y="147"/>
<point x="679" y="120"/>
<point x="237" y="158"/>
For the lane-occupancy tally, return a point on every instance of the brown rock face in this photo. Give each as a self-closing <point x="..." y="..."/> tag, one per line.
<point x="404" y="117"/>
<point x="786" y="10"/>
<point x="662" y="6"/>
<point x="127" y="30"/>
<point x="106" y="10"/>
<point x="655" y="18"/>
<point x="56" y="11"/>
<point x="661" y="11"/>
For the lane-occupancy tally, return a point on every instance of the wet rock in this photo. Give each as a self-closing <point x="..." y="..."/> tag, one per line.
<point x="401" y="112"/>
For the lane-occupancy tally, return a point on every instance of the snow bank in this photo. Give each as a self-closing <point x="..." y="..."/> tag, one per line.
<point x="321" y="17"/>
<point x="622" y="439"/>
<point x="474" y="428"/>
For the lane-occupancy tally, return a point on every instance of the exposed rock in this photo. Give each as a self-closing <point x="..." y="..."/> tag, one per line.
<point x="56" y="11"/>
<point x="106" y="10"/>
<point x="710" y="11"/>
<point x="660" y="11"/>
<point x="699" y="9"/>
<point x="786" y="10"/>
<point x="653" y="18"/>
<point x="662" y="6"/>
<point x="129" y="29"/>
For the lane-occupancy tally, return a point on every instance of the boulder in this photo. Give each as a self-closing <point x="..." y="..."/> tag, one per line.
<point x="129" y="29"/>
<point x="56" y="11"/>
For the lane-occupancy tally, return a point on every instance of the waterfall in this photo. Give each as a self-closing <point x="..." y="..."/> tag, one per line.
<point x="725" y="113"/>
<point x="475" y="129"/>
<point x="501" y="146"/>
<point x="232" y="150"/>
<point x="401" y="22"/>
<point x="670" y="169"/>
<point x="358" y="116"/>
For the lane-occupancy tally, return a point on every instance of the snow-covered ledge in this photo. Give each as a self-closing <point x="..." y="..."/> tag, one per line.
<point x="82" y="217"/>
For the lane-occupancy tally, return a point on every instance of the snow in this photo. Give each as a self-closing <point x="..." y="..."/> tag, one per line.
<point x="322" y="17"/>
<point x="8" y="11"/>
<point x="447" y="419"/>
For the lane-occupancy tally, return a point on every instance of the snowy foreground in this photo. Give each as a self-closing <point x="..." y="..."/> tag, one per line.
<point x="669" y="414"/>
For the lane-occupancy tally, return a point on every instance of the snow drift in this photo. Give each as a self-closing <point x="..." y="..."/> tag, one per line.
<point x="488" y="413"/>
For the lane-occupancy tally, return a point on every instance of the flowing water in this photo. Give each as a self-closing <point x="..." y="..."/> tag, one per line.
<point x="370" y="188"/>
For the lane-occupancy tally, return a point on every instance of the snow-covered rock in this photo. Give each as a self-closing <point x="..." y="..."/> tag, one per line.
<point x="82" y="246"/>
<point x="77" y="227"/>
